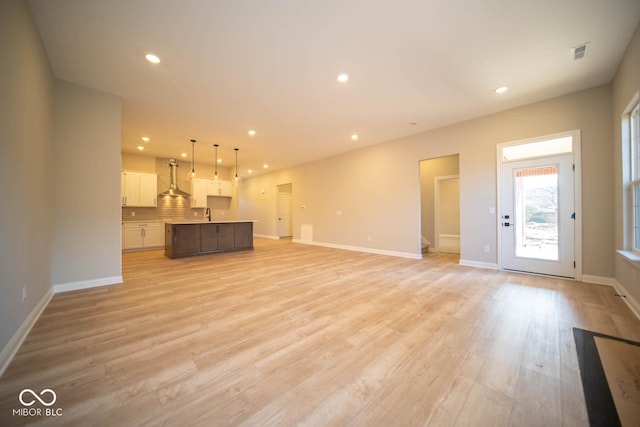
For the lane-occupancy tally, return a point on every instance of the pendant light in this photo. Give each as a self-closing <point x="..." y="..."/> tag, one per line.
<point x="215" y="163"/>
<point x="192" y="174"/>
<point x="236" y="150"/>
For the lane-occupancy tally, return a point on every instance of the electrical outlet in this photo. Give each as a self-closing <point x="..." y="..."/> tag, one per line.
<point x="339" y="213"/>
<point x="133" y="213"/>
<point x="487" y="249"/>
<point x="370" y="239"/>
<point x="24" y="293"/>
<point x="195" y="214"/>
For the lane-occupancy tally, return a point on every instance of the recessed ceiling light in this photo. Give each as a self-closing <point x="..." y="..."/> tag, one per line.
<point x="343" y="77"/>
<point x="502" y="89"/>
<point x="252" y="132"/>
<point x="145" y="138"/>
<point x="354" y="136"/>
<point x="152" y="58"/>
<point x="220" y="160"/>
<point x="140" y="147"/>
<point x="183" y="154"/>
<point x="249" y="171"/>
<point x="265" y="166"/>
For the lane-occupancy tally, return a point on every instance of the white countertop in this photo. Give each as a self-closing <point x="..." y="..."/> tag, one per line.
<point x="211" y="222"/>
<point x="180" y="221"/>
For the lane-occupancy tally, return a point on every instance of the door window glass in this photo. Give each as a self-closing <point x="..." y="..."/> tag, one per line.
<point x="536" y="216"/>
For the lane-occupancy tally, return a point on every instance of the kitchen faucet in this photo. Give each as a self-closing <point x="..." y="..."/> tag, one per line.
<point x="207" y="213"/>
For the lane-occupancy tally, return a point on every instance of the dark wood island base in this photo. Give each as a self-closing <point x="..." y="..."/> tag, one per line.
<point x="197" y="238"/>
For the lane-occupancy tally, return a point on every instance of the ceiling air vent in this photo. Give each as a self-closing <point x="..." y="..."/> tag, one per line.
<point x="577" y="52"/>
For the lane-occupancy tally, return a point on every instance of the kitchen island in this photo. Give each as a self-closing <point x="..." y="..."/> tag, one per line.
<point x="183" y="239"/>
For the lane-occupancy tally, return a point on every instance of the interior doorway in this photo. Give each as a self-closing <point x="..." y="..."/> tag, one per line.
<point x="440" y="205"/>
<point x="285" y="226"/>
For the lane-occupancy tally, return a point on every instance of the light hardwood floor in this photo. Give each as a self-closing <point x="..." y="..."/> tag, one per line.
<point x="296" y="334"/>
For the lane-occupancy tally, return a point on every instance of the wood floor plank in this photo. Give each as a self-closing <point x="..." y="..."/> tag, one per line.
<point x="292" y="334"/>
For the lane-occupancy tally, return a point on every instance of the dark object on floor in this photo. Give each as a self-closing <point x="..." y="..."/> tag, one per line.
<point x="600" y="403"/>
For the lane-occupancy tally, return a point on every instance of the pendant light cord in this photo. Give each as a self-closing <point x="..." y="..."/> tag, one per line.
<point x="236" y="149"/>
<point x="215" y="163"/>
<point x="193" y="151"/>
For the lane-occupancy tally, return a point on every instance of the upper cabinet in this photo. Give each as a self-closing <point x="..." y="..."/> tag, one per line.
<point x="201" y="188"/>
<point x="139" y="189"/>
<point x="217" y="187"/>
<point x="199" y="193"/>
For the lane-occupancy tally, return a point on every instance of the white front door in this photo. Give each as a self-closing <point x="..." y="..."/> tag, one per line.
<point x="537" y="217"/>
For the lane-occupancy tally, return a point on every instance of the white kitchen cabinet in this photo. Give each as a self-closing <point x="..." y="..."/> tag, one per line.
<point x="218" y="187"/>
<point x="129" y="186"/>
<point x="199" y="191"/>
<point x="201" y="188"/>
<point x="139" y="189"/>
<point x="154" y="235"/>
<point x="142" y="235"/>
<point x="148" y="189"/>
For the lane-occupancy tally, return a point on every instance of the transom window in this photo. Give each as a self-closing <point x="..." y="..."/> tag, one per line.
<point x="547" y="147"/>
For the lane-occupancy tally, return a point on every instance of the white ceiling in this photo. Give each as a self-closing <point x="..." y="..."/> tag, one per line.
<point x="233" y="65"/>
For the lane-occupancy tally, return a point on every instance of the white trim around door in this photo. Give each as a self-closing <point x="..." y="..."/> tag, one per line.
<point x="546" y="152"/>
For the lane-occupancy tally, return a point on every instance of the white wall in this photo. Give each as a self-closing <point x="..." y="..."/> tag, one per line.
<point x="87" y="213"/>
<point x="625" y="85"/>
<point x="449" y="201"/>
<point x="378" y="188"/>
<point x="26" y="139"/>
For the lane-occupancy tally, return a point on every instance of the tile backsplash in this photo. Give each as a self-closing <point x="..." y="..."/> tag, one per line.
<point x="169" y="208"/>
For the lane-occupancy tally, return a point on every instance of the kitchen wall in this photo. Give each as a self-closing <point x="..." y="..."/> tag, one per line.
<point x="626" y="85"/>
<point x="26" y="171"/>
<point x="377" y="188"/>
<point x="178" y="208"/>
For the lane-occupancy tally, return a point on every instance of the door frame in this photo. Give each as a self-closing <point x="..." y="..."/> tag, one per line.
<point x="577" y="192"/>
<point x="436" y="208"/>
<point x="279" y="214"/>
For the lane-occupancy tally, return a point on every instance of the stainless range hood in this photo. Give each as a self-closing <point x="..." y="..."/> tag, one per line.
<point x="173" y="186"/>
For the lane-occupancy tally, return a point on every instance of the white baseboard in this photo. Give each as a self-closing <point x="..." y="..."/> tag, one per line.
<point x="10" y="350"/>
<point x="86" y="284"/>
<point x="267" y="236"/>
<point x="598" y="280"/>
<point x="361" y="249"/>
<point x="630" y="300"/>
<point x="610" y="281"/>
<point x="478" y="264"/>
